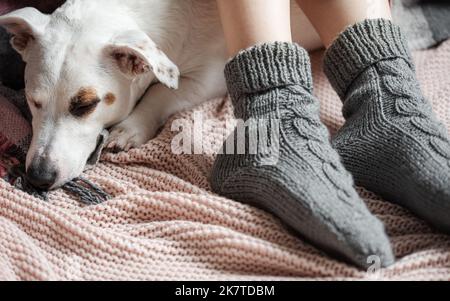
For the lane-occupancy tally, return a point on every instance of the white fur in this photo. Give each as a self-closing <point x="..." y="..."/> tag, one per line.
<point x="75" y="47"/>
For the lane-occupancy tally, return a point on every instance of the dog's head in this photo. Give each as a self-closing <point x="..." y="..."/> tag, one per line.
<point x="79" y="80"/>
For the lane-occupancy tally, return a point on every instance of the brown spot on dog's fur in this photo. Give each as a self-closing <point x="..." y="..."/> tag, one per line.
<point x="84" y="102"/>
<point x="87" y="94"/>
<point x="110" y="98"/>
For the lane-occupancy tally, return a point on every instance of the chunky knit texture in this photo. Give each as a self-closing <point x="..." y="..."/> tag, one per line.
<point x="392" y="142"/>
<point x="307" y="187"/>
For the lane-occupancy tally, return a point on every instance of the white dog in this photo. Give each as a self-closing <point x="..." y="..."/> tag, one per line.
<point x="125" y="65"/>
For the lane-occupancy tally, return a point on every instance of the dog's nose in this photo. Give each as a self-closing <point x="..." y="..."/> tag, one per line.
<point x="42" y="177"/>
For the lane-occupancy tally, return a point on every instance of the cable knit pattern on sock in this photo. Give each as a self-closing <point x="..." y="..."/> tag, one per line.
<point x="307" y="188"/>
<point x="392" y="142"/>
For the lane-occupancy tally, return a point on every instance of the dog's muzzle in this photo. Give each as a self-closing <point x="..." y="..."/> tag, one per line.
<point x="43" y="175"/>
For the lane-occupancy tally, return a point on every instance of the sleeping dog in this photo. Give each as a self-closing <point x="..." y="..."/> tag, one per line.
<point x="120" y="65"/>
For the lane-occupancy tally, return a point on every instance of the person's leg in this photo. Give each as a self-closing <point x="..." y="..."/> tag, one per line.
<point x="392" y="142"/>
<point x="306" y="185"/>
<point x="331" y="17"/>
<point x="251" y="22"/>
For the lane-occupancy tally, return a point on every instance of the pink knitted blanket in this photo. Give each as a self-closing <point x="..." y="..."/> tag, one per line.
<point x="165" y="224"/>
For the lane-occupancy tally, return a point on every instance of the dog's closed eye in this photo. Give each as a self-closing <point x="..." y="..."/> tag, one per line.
<point x="81" y="109"/>
<point x="33" y="103"/>
<point x="84" y="103"/>
<point x="36" y="104"/>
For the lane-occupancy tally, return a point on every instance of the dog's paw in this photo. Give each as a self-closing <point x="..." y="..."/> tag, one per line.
<point x="128" y="135"/>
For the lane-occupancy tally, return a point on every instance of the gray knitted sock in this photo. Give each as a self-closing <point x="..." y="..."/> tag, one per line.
<point x="308" y="187"/>
<point x="392" y="142"/>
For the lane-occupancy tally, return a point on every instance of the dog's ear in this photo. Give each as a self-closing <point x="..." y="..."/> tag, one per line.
<point x="135" y="54"/>
<point x="25" y="25"/>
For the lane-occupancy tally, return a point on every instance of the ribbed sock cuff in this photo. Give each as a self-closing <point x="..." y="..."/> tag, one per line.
<point x="268" y="66"/>
<point x="359" y="47"/>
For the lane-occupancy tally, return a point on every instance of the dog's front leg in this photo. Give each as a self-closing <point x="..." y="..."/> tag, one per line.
<point x="157" y="105"/>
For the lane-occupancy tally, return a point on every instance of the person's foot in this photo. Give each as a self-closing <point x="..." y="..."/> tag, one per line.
<point x="305" y="185"/>
<point x="392" y="142"/>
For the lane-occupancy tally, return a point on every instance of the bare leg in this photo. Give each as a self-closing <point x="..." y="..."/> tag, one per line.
<point x="331" y="17"/>
<point x="250" y="22"/>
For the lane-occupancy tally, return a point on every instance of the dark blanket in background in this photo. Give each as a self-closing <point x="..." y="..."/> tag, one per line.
<point x="15" y="131"/>
<point x="11" y="66"/>
<point x="425" y="22"/>
<point x="46" y="6"/>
